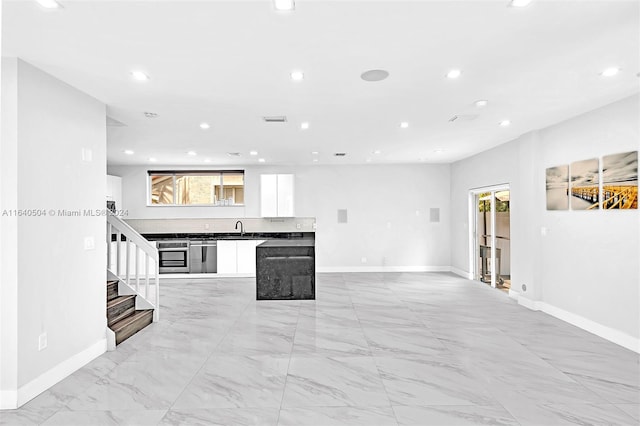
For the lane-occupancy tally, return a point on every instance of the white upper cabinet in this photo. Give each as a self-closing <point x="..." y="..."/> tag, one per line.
<point x="276" y="195"/>
<point x="114" y="190"/>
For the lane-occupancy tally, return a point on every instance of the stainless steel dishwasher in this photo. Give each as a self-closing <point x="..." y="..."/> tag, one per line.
<point x="203" y="257"/>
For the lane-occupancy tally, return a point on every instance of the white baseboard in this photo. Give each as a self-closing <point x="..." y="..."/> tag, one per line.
<point x="534" y="305"/>
<point x="607" y="333"/>
<point x="8" y="400"/>
<point x="59" y="372"/>
<point x="346" y="269"/>
<point x="461" y="273"/>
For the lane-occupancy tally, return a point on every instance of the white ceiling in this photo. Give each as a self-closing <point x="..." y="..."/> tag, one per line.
<point x="228" y="63"/>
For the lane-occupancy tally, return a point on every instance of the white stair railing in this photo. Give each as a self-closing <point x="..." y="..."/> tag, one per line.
<point x="134" y="260"/>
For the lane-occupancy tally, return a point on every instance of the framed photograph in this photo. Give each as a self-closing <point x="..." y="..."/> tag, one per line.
<point x="585" y="185"/>
<point x="558" y="188"/>
<point x="620" y="181"/>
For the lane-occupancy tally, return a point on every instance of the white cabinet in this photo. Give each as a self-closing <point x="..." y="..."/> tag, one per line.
<point x="237" y="256"/>
<point x="276" y="195"/>
<point x="114" y="190"/>
<point x="246" y="255"/>
<point x="227" y="257"/>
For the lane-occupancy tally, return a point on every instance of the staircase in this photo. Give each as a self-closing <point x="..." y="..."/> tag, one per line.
<point x="122" y="316"/>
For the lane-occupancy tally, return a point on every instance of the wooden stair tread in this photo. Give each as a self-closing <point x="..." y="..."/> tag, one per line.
<point x="131" y="319"/>
<point x="122" y="316"/>
<point x="120" y="299"/>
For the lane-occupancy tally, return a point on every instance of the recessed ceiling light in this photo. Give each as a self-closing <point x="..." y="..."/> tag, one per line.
<point x="139" y="75"/>
<point x="297" y="75"/>
<point x="261" y="160"/>
<point x="49" y="4"/>
<point x="253" y="152"/>
<point x="304" y="125"/>
<point x="204" y="126"/>
<point x="610" y="72"/>
<point x="128" y="152"/>
<point x="505" y="123"/>
<point x="284" y="5"/>
<point x="152" y="159"/>
<point x="315" y="160"/>
<point x="368" y="160"/>
<point x="192" y="153"/>
<point x="404" y="125"/>
<point x="520" y="3"/>
<point x="377" y="151"/>
<point x="315" y="152"/>
<point x="455" y="73"/>
<point x="374" y="75"/>
<point x="481" y="103"/>
<point x="438" y="151"/>
<point x="207" y="160"/>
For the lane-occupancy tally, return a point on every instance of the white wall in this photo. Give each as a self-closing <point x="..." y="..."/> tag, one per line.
<point x="388" y="211"/>
<point x="585" y="270"/>
<point x="61" y="286"/>
<point x="8" y="237"/>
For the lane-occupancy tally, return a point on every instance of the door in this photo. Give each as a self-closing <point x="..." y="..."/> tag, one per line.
<point x="491" y="236"/>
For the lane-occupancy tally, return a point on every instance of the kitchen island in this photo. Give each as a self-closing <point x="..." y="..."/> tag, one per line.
<point x="285" y="270"/>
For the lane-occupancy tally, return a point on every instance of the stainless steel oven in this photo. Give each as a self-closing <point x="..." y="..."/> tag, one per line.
<point x="174" y="256"/>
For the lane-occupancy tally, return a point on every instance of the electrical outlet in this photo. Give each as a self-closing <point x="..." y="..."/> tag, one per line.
<point x="42" y="341"/>
<point x="314" y="225"/>
<point x="206" y="226"/>
<point x="298" y="226"/>
<point x="543" y="231"/>
<point x="363" y="260"/>
<point x="89" y="243"/>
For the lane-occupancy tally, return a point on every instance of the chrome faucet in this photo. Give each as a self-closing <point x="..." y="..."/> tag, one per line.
<point x="241" y="227"/>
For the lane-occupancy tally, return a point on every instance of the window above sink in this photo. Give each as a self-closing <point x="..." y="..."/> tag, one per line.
<point x="196" y="188"/>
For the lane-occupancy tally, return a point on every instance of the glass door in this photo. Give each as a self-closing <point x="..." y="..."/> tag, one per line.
<point x="491" y="236"/>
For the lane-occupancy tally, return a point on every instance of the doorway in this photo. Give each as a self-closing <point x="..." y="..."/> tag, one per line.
<point x="491" y="236"/>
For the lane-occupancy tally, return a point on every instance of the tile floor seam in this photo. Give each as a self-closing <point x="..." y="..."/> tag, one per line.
<point x="211" y="354"/>
<point x="286" y="377"/>
<point x="386" y="391"/>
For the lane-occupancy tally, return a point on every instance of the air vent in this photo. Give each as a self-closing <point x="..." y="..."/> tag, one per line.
<point x="233" y="154"/>
<point x="469" y="117"/>
<point x="112" y="122"/>
<point x="151" y="114"/>
<point x="340" y="154"/>
<point x="275" y="119"/>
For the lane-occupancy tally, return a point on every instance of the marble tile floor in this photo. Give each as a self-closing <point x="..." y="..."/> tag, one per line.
<point x="372" y="349"/>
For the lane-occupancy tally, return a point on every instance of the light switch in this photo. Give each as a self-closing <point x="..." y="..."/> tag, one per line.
<point x="543" y="231"/>
<point x="42" y="341"/>
<point x="87" y="155"/>
<point x="89" y="243"/>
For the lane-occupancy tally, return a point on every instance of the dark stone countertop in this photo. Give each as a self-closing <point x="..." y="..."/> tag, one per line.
<point x="232" y="236"/>
<point x="288" y="243"/>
